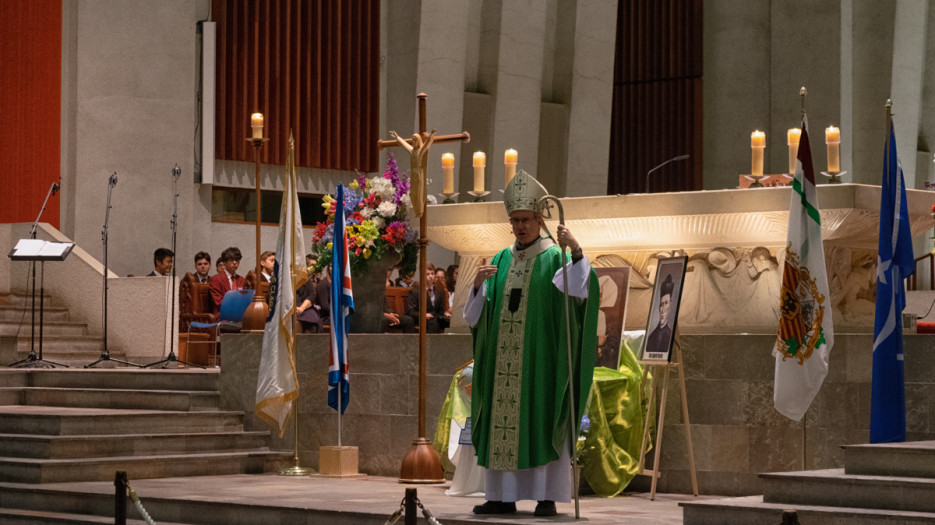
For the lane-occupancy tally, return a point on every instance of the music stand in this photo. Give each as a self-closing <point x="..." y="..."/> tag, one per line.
<point x="38" y="250"/>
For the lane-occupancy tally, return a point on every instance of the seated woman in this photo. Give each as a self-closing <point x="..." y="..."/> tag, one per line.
<point x="308" y="311"/>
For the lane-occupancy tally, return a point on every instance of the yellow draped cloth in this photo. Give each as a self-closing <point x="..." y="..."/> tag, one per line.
<point x="609" y="452"/>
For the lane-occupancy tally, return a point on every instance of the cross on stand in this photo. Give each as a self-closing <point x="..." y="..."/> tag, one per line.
<point x="422" y="463"/>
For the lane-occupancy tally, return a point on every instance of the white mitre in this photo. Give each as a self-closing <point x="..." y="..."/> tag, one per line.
<point x="523" y="193"/>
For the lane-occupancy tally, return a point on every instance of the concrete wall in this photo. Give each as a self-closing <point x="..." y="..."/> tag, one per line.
<point x="729" y="379"/>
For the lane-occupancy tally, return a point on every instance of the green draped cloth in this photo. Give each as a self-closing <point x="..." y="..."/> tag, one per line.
<point x="456" y="407"/>
<point x="609" y="453"/>
<point x="520" y="406"/>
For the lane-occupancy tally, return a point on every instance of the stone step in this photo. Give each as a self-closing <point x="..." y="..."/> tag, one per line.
<point x="19" y="299"/>
<point x="64" y="421"/>
<point x="181" y="400"/>
<point x="95" y="446"/>
<point x="911" y="459"/>
<point x="834" y="488"/>
<point x="29" y="470"/>
<point x="48" y="328"/>
<point x="119" y="378"/>
<point x="752" y="510"/>
<point x="23" y="314"/>
<point x="42" y="517"/>
<point x="64" y="345"/>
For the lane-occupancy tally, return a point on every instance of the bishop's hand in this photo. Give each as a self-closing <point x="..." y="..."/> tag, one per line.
<point x="483" y="273"/>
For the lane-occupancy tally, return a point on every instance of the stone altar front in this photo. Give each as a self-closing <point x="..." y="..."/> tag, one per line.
<point x="735" y="240"/>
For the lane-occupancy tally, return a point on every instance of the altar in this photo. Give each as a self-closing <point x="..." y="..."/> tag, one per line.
<point x="735" y="240"/>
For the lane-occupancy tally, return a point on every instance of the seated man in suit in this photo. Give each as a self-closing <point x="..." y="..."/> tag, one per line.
<point x="162" y="263"/>
<point x="227" y="280"/>
<point x="202" y="267"/>
<point x="267" y="264"/>
<point x="436" y="316"/>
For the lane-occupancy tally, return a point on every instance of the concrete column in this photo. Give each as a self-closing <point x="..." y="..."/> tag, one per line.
<point x="516" y="86"/>
<point x="591" y="99"/>
<point x="909" y="40"/>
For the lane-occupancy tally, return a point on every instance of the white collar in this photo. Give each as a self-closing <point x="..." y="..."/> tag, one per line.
<point x="531" y="251"/>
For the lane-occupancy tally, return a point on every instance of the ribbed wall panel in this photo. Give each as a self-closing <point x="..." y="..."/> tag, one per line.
<point x="309" y="66"/>
<point x="657" y="96"/>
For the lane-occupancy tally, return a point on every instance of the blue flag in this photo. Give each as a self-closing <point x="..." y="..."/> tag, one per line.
<point x="342" y="304"/>
<point x="895" y="262"/>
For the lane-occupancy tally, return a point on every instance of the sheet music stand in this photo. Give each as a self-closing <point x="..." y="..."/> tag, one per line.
<point x="39" y="250"/>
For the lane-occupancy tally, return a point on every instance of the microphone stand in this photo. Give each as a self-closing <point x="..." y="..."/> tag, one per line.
<point x="105" y="355"/>
<point x="170" y="359"/>
<point x="673" y="159"/>
<point x="33" y="361"/>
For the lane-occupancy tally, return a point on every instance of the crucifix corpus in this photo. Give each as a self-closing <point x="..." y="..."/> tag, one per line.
<point x="422" y="463"/>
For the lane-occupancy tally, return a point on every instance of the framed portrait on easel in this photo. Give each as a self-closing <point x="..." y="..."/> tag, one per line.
<point x="614" y="284"/>
<point x="664" y="310"/>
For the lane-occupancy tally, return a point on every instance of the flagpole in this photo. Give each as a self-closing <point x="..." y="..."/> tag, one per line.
<point x="803" y="93"/>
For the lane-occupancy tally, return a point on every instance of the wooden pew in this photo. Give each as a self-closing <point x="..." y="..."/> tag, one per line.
<point x="195" y="305"/>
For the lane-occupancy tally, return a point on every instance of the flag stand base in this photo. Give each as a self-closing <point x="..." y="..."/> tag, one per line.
<point x="338" y="462"/>
<point x="422" y="464"/>
<point x="656" y="366"/>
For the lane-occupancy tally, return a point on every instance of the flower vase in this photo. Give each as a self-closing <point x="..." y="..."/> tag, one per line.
<point x="369" y="296"/>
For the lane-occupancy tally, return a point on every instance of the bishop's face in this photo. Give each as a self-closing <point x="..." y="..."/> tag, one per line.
<point x="525" y="226"/>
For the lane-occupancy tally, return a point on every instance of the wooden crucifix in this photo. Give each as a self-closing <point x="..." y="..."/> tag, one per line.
<point x="422" y="463"/>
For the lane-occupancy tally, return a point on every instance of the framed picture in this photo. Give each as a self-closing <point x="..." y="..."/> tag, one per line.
<point x="664" y="311"/>
<point x="614" y="283"/>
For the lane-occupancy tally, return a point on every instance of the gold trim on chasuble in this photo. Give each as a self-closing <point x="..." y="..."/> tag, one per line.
<point x="508" y="382"/>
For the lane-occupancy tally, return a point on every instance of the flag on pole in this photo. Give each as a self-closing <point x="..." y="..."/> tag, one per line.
<point x="805" y="334"/>
<point x="894" y="263"/>
<point x="342" y="304"/>
<point x="277" y="386"/>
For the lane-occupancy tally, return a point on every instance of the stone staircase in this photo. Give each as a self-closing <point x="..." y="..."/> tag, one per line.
<point x="70" y="425"/>
<point x="881" y="484"/>
<point x="63" y="341"/>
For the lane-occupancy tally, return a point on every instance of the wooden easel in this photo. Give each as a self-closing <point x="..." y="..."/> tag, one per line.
<point x="656" y="365"/>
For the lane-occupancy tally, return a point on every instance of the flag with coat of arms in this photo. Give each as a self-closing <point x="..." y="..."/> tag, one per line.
<point x="805" y="332"/>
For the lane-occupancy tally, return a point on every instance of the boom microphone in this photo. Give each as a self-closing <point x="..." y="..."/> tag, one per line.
<point x="673" y="159"/>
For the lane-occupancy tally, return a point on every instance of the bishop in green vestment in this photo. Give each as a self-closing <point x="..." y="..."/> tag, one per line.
<point x="521" y="425"/>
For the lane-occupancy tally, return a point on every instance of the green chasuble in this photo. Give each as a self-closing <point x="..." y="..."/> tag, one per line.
<point x="519" y="403"/>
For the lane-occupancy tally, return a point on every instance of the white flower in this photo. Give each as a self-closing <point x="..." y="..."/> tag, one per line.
<point x="387" y="209"/>
<point x="383" y="187"/>
<point x="378" y="222"/>
<point x="366" y="212"/>
<point x="406" y="201"/>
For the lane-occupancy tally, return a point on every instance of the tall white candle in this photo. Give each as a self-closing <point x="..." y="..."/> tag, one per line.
<point x="480" y="162"/>
<point x="256" y="122"/>
<point x="448" y="166"/>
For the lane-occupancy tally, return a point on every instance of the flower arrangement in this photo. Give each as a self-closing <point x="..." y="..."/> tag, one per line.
<point x="377" y="223"/>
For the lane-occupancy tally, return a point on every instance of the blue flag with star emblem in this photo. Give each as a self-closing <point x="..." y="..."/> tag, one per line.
<point x="895" y="262"/>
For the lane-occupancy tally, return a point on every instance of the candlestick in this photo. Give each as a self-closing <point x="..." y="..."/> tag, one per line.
<point x="448" y="166"/>
<point x="793" y="136"/>
<point x="256" y="122"/>
<point x="758" y="144"/>
<point x="833" y="140"/>
<point x="510" y="158"/>
<point x="480" y="162"/>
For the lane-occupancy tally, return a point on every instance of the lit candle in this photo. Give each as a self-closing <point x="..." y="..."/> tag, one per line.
<point x="510" y="158"/>
<point x="793" y="135"/>
<point x="448" y="166"/>
<point x="256" y="122"/>
<point x="758" y="143"/>
<point x="833" y="140"/>
<point x="480" y="162"/>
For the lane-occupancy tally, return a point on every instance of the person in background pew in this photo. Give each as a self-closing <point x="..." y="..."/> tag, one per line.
<point x="451" y="276"/>
<point x="202" y="267"/>
<point x="227" y="280"/>
<point x="162" y="263"/>
<point x="267" y="264"/>
<point x="308" y="311"/>
<point x="219" y="266"/>
<point x="441" y="283"/>
<point x="436" y="316"/>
